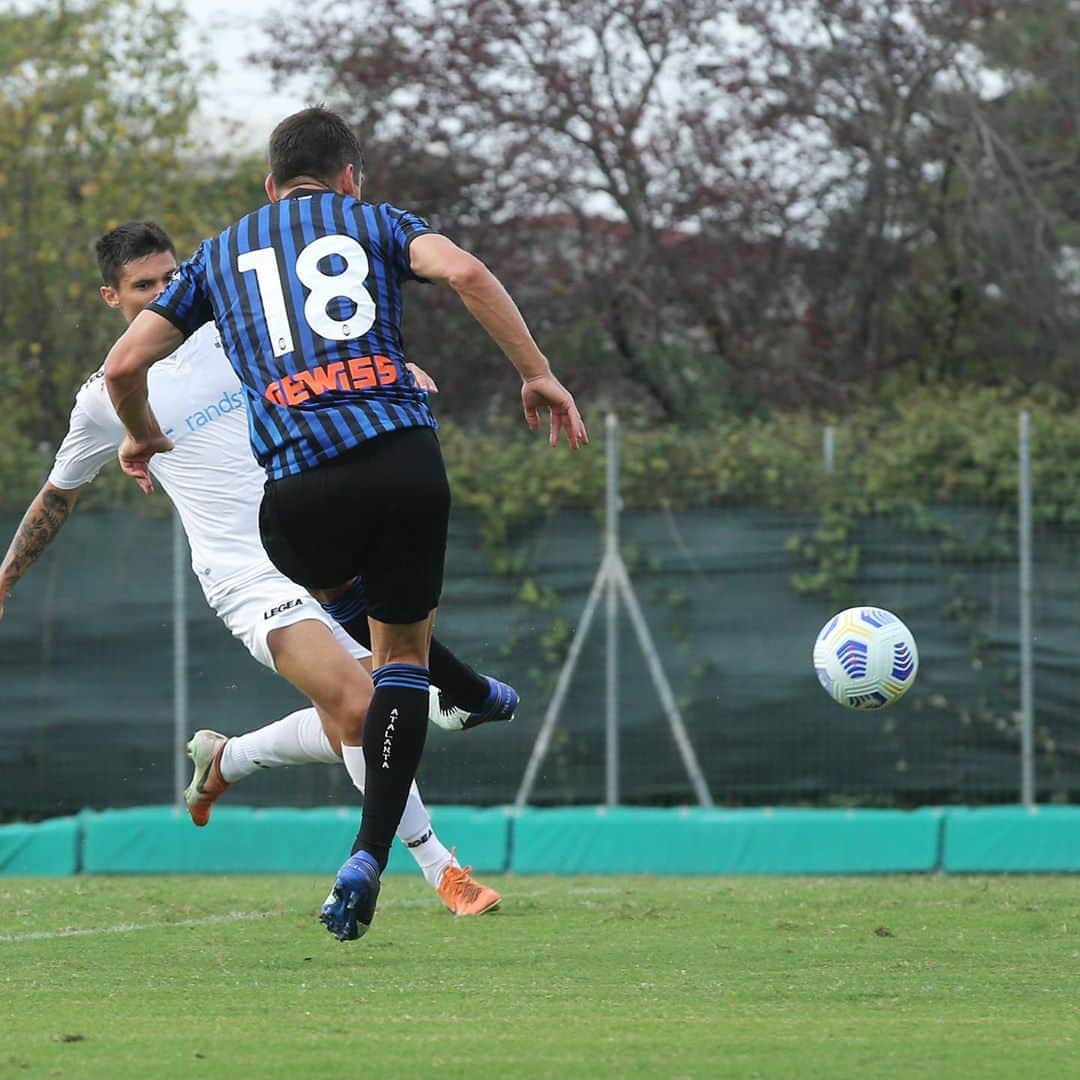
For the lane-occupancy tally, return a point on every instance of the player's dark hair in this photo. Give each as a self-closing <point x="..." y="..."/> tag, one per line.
<point x="314" y="142"/>
<point x="126" y="243"/>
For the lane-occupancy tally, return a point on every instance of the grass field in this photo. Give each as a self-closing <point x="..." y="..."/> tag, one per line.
<point x="575" y="977"/>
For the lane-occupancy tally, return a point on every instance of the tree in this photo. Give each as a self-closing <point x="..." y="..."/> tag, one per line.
<point x="779" y="202"/>
<point x="592" y="139"/>
<point x="98" y="106"/>
<point x="940" y="255"/>
<point x="1024" y="176"/>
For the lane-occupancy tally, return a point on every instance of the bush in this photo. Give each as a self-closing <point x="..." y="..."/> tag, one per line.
<point x="933" y="446"/>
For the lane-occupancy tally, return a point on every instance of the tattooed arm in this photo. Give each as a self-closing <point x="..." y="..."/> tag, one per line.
<point x="43" y="520"/>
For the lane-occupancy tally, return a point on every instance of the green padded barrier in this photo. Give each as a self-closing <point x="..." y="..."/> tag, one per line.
<point x="481" y="836"/>
<point x="48" y="849"/>
<point x="241" y="840"/>
<point x="573" y="840"/>
<point x="162" y="840"/>
<point x="1012" y="839"/>
<point x="632" y="841"/>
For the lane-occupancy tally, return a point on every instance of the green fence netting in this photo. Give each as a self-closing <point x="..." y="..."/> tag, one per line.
<point x="86" y="668"/>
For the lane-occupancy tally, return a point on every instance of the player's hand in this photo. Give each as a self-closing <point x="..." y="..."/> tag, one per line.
<point x="423" y="379"/>
<point x="5" y="592"/>
<point x="546" y="391"/>
<point x="135" y="458"/>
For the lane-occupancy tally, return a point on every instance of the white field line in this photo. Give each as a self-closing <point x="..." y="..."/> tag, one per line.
<point x="248" y="916"/>
<point x="127" y="928"/>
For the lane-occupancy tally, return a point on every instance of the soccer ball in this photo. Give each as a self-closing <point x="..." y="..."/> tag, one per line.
<point x="865" y="658"/>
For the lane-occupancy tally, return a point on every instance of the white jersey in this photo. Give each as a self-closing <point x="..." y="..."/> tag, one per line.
<point x="211" y="476"/>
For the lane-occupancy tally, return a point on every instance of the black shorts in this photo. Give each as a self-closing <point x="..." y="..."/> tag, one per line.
<point x="379" y="512"/>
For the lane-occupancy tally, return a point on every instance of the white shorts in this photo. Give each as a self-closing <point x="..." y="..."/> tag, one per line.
<point x="270" y="602"/>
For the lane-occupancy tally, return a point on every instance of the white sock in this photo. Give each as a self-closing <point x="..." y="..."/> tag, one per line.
<point x="296" y="739"/>
<point x="415" y="830"/>
<point x="355" y="766"/>
<point x="416" y="833"/>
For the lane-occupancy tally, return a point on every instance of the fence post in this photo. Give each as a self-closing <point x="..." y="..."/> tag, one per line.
<point x="180" y="658"/>
<point x="828" y="449"/>
<point x="611" y="553"/>
<point x="1027" y="667"/>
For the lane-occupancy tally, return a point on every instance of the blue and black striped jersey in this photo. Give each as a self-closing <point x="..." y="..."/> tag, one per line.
<point x="306" y="294"/>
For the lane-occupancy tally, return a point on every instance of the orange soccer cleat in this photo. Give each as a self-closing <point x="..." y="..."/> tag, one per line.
<point x="207" y="784"/>
<point x="464" y="896"/>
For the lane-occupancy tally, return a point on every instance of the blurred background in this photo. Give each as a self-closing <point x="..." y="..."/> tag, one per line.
<point x="817" y="256"/>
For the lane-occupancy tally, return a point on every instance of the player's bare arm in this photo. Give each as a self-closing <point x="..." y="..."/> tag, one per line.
<point x="44" y="518"/>
<point x="149" y="338"/>
<point x="435" y="257"/>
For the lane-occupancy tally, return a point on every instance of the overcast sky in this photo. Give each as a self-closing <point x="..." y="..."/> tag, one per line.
<point x="242" y="91"/>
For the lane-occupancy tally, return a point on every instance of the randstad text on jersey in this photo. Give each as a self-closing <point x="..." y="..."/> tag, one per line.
<point x="307" y="296"/>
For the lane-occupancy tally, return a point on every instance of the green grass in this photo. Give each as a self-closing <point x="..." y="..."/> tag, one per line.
<point x="575" y="977"/>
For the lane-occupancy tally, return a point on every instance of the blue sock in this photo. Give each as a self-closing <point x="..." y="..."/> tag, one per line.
<point x="350" y="610"/>
<point x="394" y="734"/>
<point x="463" y="686"/>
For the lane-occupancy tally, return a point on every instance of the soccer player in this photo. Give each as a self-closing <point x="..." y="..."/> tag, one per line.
<point x="307" y="294"/>
<point x="216" y="486"/>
